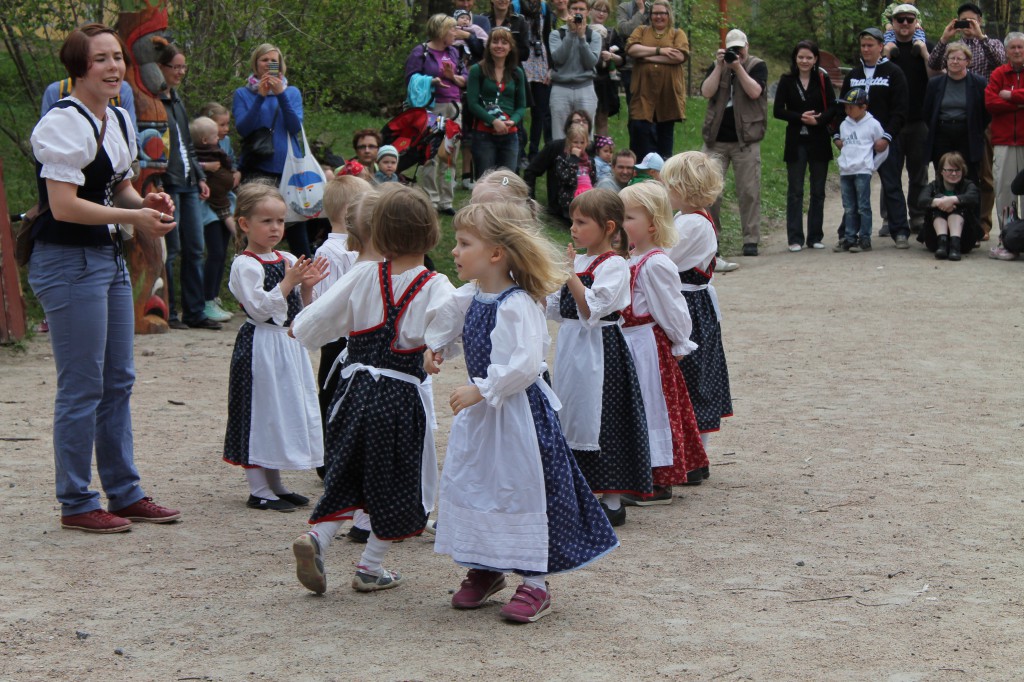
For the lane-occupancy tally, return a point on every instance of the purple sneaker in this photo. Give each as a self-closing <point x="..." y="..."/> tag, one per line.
<point x="477" y="587"/>
<point x="528" y="605"/>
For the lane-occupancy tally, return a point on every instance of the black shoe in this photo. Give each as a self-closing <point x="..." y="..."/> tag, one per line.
<point x="205" y="323"/>
<point x="750" y="249"/>
<point x="295" y="498"/>
<point x="446" y="211"/>
<point x="175" y="323"/>
<point x="865" y="244"/>
<point x="358" y="535"/>
<point x="842" y="245"/>
<point x="617" y="517"/>
<point x="954" y="248"/>
<point x="276" y="505"/>
<point x="942" y="250"/>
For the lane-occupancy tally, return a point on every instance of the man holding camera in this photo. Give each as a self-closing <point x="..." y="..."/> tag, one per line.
<point x="575" y="50"/>
<point x="986" y="55"/>
<point x="734" y="126"/>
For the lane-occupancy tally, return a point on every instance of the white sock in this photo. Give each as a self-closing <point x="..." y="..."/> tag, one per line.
<point x="611" y="500"/>
<point x="705" y="438"/>
<point x="536" y="582"/>
<point x="274" y="481"/>
<point x="325" y="532"/>
<point x="258" y="484"/>
<point x="373" y="555"/>
<point x="361" y="520"/>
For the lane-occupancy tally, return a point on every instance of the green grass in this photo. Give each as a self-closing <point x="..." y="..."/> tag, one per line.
<point x="335" y="129"/>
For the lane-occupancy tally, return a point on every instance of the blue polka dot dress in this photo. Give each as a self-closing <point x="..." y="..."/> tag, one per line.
<point x="375" y="438"/>
<point x="271" y="388"/>
<point x="620" y="461"/>
<point x="512" y="495"/>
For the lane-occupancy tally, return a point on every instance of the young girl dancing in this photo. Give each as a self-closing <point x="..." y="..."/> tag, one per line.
<point x="657" y="328"/>
<point x="602" y="411"/>
<point x="694" y="180"/>
<point x="505" y="428"/>
<point x="380" y="444"/>
<point x="273" y="417"/>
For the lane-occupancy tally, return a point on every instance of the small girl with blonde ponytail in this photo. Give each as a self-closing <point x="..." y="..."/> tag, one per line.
<point x="273" y="418"/>
<point x="512" y="498"/>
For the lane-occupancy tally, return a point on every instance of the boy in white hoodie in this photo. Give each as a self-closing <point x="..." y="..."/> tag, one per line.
<point x="858" y="159"/>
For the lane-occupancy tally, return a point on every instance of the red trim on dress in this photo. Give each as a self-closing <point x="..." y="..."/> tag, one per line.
<point x="239" y="464"/>
<point x="277" y="253"/>
<point x="597" y="261"/>
<point x="384" y="281"/>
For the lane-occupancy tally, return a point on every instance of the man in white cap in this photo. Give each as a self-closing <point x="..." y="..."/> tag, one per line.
<point x="735" y="87"/>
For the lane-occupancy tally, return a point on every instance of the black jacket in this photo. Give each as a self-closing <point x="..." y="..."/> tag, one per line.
<point x="520" y="31"/>
<point x="915" y="69"/>
<point x="175" y="174"/>
<point x="977" y="114"/>
<point x="887" y="95"/>
<point x="791" y="103"/>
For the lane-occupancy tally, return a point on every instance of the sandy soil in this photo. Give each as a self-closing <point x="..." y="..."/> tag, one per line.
<point x="863" y="519"/>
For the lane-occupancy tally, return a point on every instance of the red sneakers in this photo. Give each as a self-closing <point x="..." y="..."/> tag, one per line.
<point x="96" y="521"/>
<point x="528" y="605"/>
<point x="146" y="510"/>
<point x="477" y="587"/>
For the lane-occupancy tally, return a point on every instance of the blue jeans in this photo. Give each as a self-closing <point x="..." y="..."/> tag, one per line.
<point x="494" y="151"/>
<point x="87" y="299"/>
<point x="187" y="239"/>
<point x="856" y="191"/>
<point x="796" y="171"/>
<point x="891" y="175"/>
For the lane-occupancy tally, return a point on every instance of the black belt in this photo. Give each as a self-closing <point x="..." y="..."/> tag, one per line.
<point x="953" y="121"/>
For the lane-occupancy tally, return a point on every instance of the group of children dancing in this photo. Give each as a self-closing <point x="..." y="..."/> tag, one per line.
<point x="539" y="465"/>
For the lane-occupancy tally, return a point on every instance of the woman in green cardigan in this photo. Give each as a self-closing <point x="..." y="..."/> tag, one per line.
<point x="496" y="93"/>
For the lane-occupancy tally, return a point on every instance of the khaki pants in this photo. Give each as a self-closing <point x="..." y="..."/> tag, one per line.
<point x="747" y="171"/>
<point x="436" y="177"/>
<point x="986" y="185"/>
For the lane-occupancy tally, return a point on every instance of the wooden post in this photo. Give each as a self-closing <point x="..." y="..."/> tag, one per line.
<point x="12" y="315"/>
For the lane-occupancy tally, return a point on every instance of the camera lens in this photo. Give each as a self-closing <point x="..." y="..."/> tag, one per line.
<point x="578" y="18"/>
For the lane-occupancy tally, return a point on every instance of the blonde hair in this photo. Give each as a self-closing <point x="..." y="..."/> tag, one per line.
<point x="359" y="218"/>
<point x="956" y="160"/>
<point x="404" y="222"/>
<point x="603" y="206"/>
<point x="534" y="261"/>
<point x="438" y="26"/>
<point x="264" y="49"/>
<point x="248" y="197"/>
<point x="339" y="193"/>
<point x="695" y="177"/>
<point x="959" y="47"/>
<point x="211" y="109"/>
<point x="652" y="197"/>
<point x="501" y="184"/>
<point x="202" y="126"/>
<point x="575" y="131"/>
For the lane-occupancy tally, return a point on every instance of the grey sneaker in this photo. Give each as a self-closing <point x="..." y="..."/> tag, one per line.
<point x="902" y="242"/>
<point x="865" y="244"/>
<point x="884" y="232"/>
<point x="364" y="581"/>
<point x="309" y="563"/>
<point x="854" y="247"/>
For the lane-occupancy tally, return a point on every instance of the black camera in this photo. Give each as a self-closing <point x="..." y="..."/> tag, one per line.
<point x="577" y="19"/>
<point x="538" y="48"/>
<point x="731" y="54"/>
<point x="961" y="23"/>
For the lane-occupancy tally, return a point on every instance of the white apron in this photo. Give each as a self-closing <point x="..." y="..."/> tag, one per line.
<point x="579" y="382"/>
<point x="285" y="431"/>
<point x="644" y="349"/>
<point x="493" y="506"/>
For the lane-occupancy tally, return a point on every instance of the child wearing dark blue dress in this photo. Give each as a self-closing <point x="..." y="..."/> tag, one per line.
<point x="505" y="426"/>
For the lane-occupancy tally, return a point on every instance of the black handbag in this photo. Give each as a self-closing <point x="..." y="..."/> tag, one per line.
<point x="258" y="146"/>
<point x="1012" y="232"/>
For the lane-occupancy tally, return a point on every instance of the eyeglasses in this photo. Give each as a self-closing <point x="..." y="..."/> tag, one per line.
<point x="366" y="146"/>
<point x="952" y="171"/>
<point x="178" y="68"/>
<point x="659" y="14"/>
<point x="905" y="19"/>
<point x="956" y="59"/>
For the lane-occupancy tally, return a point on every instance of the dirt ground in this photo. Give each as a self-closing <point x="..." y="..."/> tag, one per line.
<point x="863" y="520"/>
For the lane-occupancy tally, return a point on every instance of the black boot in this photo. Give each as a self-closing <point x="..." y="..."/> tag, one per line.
<point x="942" y="250"/>
<point x="954" y="248"/>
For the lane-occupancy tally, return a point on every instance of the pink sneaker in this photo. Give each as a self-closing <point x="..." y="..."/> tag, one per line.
<point x="528" y="605"/>
<point x="477" y="587"/>
<point x="96" y="521"/>
<point x="147" y="510"/>
<point x="999" y="253"/>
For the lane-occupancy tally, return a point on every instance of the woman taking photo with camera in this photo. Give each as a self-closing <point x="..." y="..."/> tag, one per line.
<point x="496" y="93"/>
<point x="268" y="116"/>
<point x="658" y="84"/>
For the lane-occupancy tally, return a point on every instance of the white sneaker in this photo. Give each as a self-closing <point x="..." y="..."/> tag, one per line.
<point x="722" y="265"/>
<point x="795" y="247"/>
<point x="468" y="184"/>
<point x="817" y="245"/>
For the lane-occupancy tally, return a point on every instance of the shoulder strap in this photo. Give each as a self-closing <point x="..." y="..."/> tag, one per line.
<point x="634" y="271"/>
<point x="120" y="120"/>
<point x="508" y="292"/>
<point x="64" y="89"/>
<point x="67" y="104"/>
<point x="597" y="261"/>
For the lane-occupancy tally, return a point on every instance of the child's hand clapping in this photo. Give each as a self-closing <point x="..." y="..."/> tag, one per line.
<point x="305" y="272"/>
<point x="463" y="397"/>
